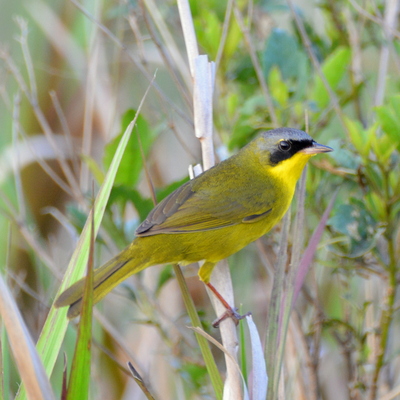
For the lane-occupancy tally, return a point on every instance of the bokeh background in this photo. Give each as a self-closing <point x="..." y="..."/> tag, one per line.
<point x="71" y="78"/>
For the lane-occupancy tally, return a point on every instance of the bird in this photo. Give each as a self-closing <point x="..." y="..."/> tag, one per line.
<point x="212" y="216"/>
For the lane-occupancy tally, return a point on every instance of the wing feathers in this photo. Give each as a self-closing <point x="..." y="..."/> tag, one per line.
<point x="197" y="206"/>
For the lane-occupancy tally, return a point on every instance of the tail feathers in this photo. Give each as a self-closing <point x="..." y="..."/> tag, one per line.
<point x="106" y="278"/>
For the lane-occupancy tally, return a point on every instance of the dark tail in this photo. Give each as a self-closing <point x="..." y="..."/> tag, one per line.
<point x="107" y="277"/>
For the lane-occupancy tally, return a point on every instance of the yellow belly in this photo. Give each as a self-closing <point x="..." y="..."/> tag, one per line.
<point x="211" y="245"/>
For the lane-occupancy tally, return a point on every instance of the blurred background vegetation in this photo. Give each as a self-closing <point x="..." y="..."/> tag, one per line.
<point x="69" y="87"/>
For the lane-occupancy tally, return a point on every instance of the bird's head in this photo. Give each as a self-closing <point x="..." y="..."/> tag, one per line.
<point x="285" y="151"/>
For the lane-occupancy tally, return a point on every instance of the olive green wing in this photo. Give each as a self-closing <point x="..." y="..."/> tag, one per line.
<point x="195" y="207"/>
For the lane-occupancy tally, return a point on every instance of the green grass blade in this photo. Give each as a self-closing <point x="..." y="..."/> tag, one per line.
<point x="54" y="329"/>
<point x="78" y="387"/>
<point x="212" y="369"/>
<point x="242" y="348"/>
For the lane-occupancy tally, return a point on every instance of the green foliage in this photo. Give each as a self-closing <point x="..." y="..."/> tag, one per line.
<point x="122" y="194"/>
<point x="361" y="138"/>
<point x="166" y="274"/>
<point x="243" y="130"/>
<point x="79" y="382"/>
<point x="195" y="375"/>
<point x="389" y="119"/>
<point x="334" y="68"/>
<point x="132" y="161"/>
<point x="209" y="26"/>
<point x="349" y="302"/>
<point x="279" y="89"/>
<point x="283" y="51"/>
<point x="357" y="225"/>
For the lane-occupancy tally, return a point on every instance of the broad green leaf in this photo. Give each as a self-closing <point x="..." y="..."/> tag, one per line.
<point x="242" y="132"/>
<point x="143" y="205"/>
<point x="278" y="88"/>
<point x="217" y="6"/>
<point x="374" y="176"/>
<point x="209" y="30"/>
<point x="388" y="117"/>
<point x="232" y="40"/>
<point x="358" y="225"/>
<point x="244" y="128"/>
<point x="343" y="156"/>
<point x="196" y="375"/>
<point x="355" y="130"/>
<point x="383" y="146"/>
<point x="132" y="162"/>
<point x="122" y="194"/>
<point x="232" y="104"/>
<point x="334" y="69"/>
<point x="283" y="51"/>
<point x="360" y="137"/>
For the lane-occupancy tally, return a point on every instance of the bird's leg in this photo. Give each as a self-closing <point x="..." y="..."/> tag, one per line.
<point x="229" y="313"/>
<point x="205" y="272"/>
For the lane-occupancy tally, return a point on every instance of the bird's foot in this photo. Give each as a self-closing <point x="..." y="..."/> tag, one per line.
<point x="230" y="313"/>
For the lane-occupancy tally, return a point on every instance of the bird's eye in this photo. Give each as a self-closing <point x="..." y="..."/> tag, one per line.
<point x="284" y="145"/>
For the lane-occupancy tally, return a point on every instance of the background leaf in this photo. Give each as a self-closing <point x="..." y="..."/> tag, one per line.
<point x="131" y="164"/>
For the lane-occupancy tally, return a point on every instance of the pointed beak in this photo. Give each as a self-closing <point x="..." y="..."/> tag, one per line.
<point x="316" y="148"/>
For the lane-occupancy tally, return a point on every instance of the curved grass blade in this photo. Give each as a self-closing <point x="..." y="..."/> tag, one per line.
<point x="29" y="364"/>
<point x="78" y="387"/>
<point x="54" y="329"/>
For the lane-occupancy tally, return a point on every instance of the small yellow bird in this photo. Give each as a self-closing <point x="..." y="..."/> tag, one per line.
<point x="212" y="216"/>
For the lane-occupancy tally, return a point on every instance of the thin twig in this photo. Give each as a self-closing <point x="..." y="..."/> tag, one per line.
<point x="274" y="322"/>
<point x="356" y="75"/>
<point x="139" y="380"/>
<point x="225" y="31"/>
<point x="389" y="24"/>
<point x="307" y="44"/>
<point x="165" y="54"/>
<point x="89" y="112"/>
<point x="65" y="128"/>
<point x="133" y="23"/>
<point x="257" y="67"/>
<point x="16" y="159"/>
<point x="74" y="189"/>
<point x="146" y="169"/>
<point x="170" y="43"/>
<point x="46" y="168"/>
<point x="33" y="96"/>
<point x="23" y="40"/>
<point x="32" y="241"/>
<point x="379" y="21"/>
<point x="133" y="59"/>
<point x="44" y="302"/>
